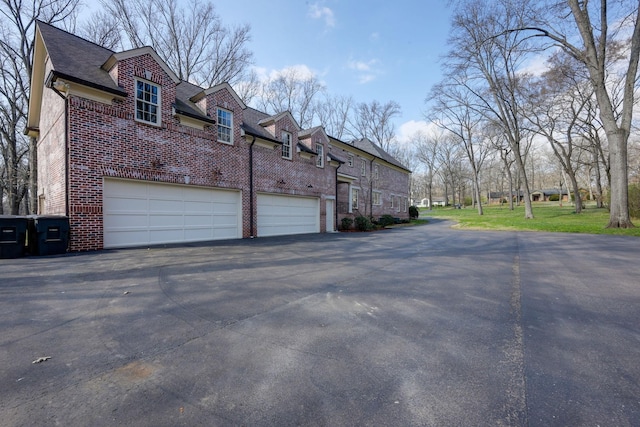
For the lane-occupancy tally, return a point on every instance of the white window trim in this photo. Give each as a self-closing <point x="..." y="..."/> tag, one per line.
<point x="320" y="158"/>
<point x="376" y="172"/>
<point x="355" y="191"/>
<point x="229" y="127"/>
<point x="379" y="201"/>
<point x="158" y="104"/>
<point x="363" y="168"/>
<point x="287" y="143"/>
<point x="350" y="160"/>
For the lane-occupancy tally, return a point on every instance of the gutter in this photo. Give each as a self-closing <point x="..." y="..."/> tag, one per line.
<point x="371" y="188"/>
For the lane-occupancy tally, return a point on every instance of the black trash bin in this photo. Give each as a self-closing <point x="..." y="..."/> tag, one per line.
<point x="48" y="235"/>
<point x="13" y="236"/>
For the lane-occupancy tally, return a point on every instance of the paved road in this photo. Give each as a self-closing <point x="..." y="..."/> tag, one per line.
<point x="416" y="326"/>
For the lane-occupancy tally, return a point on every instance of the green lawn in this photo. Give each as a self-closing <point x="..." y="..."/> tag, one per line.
<point x="547" y="217"/>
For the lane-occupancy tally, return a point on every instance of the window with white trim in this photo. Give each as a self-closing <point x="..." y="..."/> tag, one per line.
<point x="320" y="158"/>
<point x="286" y="145"/>
<point x="225" y="126"/>
<point x="350" y="160"/>
<point x="354" y="198"/>
<point x="376" y="172"/>
<point x="147" y="102"/>
<point x="363" y="168"/>
<point x="377" y="198"/>
<point x="406" y="202"/>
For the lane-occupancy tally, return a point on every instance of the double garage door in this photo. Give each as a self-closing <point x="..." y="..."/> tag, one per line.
<point x="137" y="213"/>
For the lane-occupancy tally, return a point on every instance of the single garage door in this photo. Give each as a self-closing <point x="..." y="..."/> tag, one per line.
<point x="279" y="215"/>
<point x="138" y="213"/>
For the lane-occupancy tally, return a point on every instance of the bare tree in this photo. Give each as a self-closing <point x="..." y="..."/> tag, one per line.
<point x="190" y="38"/>
<point x="488" y="67"/>
<point x="333" y="112"/>
<point x="102" y="28"/>
<point x="427" y="146"/>
<point x="558" y="103"/>
<point x="374" y="121"/>
<point x="456" y="114"/>
<point x="293" y="90"/>
<point x="595" y="25"/>
<point x="17" y="28"/>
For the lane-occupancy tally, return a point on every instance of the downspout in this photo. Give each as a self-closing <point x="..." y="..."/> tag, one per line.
<point x="335" y="222"/>
<point x="253" y="141"/>
<point x="371" y="189"/>
<point x="54" y="86"/>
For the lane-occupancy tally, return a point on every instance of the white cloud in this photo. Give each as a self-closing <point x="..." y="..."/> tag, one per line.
<point x="367" y="70"/>
<point x="299" y="72"/>
<point x="408" y="130"/>
<point x="322" y="12"/>
<point x="536" y="66"/>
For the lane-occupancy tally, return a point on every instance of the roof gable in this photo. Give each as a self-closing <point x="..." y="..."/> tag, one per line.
<point x="273" y="119"/>
<point x="146" y="50"/>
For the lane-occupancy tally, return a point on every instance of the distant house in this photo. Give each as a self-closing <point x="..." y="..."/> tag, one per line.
<point x="545" y="195"/>
<point x="135" y="156"/>
<point x="495" y="197"/>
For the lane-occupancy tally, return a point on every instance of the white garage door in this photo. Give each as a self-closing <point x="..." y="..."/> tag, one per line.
<point x="279" y="215"/>
<point x="138" y="213"/>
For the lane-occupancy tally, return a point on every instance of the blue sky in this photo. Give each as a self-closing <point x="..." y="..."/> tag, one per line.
<point x="372" y="50"/>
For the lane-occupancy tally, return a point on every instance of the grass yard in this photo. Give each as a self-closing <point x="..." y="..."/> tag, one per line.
<point x="547" y="217"/>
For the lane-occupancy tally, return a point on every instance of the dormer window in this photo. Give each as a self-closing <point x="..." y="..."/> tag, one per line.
<point x="320" y="158"/>
<point x="286" y="145"/>
<point x="147" y="102"/>
<point x="225" y="126"/>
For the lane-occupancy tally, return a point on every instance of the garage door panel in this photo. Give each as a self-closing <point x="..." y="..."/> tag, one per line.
<point x="282" y="215"/>
<point x="139" y="213"/>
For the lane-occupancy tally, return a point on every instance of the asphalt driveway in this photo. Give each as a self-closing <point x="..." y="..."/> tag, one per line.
<point x="423" y="326"/>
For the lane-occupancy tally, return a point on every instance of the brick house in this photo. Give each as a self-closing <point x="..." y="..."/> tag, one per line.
<point x="134" y="156"/>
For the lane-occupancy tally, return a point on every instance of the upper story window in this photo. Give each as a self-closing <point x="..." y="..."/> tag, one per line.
<point x="376" y="172"/>
<point x="363" y="168"/>
<point x="147" y="102"/>
<point x="225" y="126"/>
<point x="350" y="160"/>
<point x="320" y="158"/>
<point x="286" y="145"/>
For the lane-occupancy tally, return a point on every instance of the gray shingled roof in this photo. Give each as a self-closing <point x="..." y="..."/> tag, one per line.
<point x="77" y="59"/>
<point x="370" y="147"/>
<point x="252" y="118"/>
<point x="80" y="61"/>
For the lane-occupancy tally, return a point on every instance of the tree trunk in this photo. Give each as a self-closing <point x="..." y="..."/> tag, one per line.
<point x="528" y="209"/>
<point x="619" y="205"/>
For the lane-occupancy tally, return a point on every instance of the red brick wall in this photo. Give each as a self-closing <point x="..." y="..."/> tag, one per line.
<point x="274" y="174"/>
<point x="391" y="183"/>
<point x="106" y="141"/>
<point x="51" y="153"/>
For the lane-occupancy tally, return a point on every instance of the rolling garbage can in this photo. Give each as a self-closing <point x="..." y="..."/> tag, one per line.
<point x="48" y="235"/>
<point x="13" y="236"/>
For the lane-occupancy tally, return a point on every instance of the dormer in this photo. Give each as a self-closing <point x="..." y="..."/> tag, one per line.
<point x="316" y="140"/>
<point x="224" y="105"/>
<point x="284" y="128"/>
